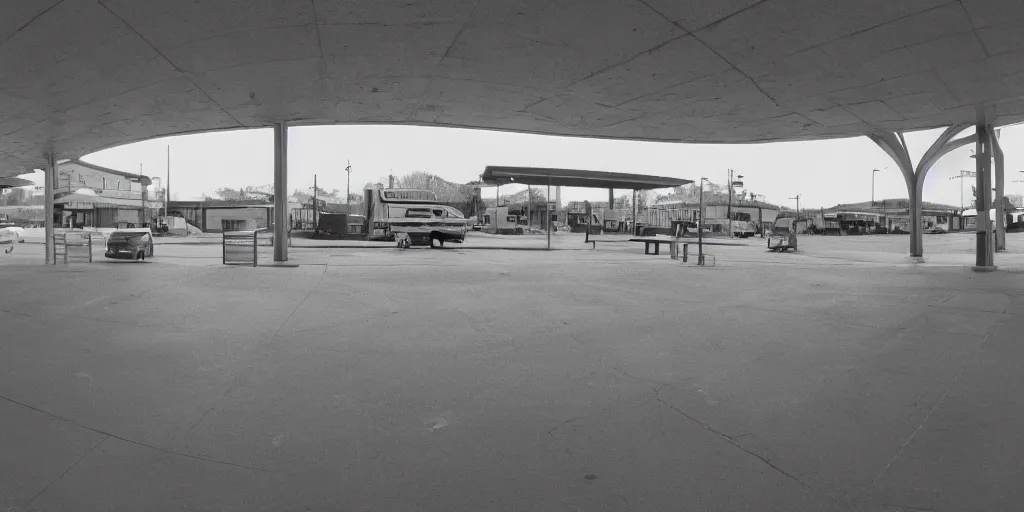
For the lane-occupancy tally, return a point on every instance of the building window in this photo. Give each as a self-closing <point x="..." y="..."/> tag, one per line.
<point x="232" y="224"/>
<point x="127" y="185"/>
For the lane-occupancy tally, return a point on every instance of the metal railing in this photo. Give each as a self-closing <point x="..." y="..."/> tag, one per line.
<point x="71" y="246"/>
<point x="239" y="247"/>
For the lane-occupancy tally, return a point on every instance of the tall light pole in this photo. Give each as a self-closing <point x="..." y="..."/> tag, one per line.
<point x="873" y="186"/>
<point x="167" y="187"/>
<point x="157" y="182"/>
<point x="728" y="208"/>
<point x="797" y="211"/>
<point x="142" y="197"/>
<point x="700" y="224"/>
<point x="348" y="183"/>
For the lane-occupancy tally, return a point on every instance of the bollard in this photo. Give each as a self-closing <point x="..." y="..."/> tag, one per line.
<point x="686" y="252"/>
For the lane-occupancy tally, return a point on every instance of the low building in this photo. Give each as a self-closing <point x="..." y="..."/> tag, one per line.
<point x="891" y="216"/>
<point x="217" y="218"/>
<point x="88" y="195"/>
<point x="716" y="213"/>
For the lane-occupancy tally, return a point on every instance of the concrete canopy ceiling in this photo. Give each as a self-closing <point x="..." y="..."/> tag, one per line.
<point x="83" y="75"/>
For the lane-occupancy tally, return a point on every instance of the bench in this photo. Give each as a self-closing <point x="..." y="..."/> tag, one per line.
<point x="648" y="241"/>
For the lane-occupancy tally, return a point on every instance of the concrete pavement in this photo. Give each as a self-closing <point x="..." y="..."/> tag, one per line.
<point x="840" y="378"/>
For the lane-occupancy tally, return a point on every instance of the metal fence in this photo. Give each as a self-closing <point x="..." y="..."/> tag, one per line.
<point x="239" y="248"/>
<point x="72" y="246"/>
<point x="663" y="217"/>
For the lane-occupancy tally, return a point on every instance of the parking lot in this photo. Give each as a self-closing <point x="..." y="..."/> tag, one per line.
<point x="841" y="377"/>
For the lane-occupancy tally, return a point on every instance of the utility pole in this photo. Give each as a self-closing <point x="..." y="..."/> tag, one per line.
<point x="700" y="225"/>
<point x="963" y="175"/>
<point x="348" y="183"/>
<point x="142" y="197"/>
<point x="157" y="183"/>
<point x="728" y="214"/>
<point x="167" y="193"/>
<point x="797" y="211"/>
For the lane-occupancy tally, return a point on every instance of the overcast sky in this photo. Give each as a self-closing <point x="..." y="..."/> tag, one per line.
<point x="824" y="173"/>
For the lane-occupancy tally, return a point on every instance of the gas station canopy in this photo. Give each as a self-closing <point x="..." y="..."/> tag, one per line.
<point x="77" y="76"/>
<point x="577" y="178"/>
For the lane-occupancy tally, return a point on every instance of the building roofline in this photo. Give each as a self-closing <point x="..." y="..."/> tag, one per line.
<point x="145" y="180"/>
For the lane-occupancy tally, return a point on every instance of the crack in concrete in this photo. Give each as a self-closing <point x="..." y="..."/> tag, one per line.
<point x="659" y="13"/>
<point x="738" y="70"/>
<point x="974" y="28"/>
<point x="733" y="441"/>
<point x="169" y="61"/>
<point x="889" y="507"/>
<point x="31" y="21"/>
<point x="137" y="443"/>
<point x="617" y="64"/>
<point x="564" y="423"/>
<point x="316" y="22"/>
<point x="66" y="471"/>
<point x="902" y="447"/>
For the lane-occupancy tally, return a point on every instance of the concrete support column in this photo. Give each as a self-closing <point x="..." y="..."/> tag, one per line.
<point x="915" y="189"/>
<point x="547" y="212"/>
<point x="984" y="257"/>
<point x="896" y="147"/>
<point x="280" y="192"/>
<point x="1000" y="194"/>
<point x="636" y="221"/>
<point x="51" y="178"/>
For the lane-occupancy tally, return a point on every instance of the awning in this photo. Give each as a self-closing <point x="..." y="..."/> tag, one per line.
<point x="497" y="175"/>
<point x="88" y="202"/>
<point x="14" y="182"/>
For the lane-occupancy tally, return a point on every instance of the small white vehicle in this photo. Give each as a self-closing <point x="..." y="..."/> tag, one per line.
<point x="11" y="236"/>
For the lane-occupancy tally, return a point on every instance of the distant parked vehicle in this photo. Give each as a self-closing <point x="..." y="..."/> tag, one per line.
<point x="11" y="236"/>
<point x="415" y="212"/>
<point x="13" y="233"/>
<point x="130" y="243"/>
<point x="935" y="230"/>
<point x="783" y="236"/>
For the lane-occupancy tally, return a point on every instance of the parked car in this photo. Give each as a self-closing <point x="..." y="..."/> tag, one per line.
<point x="935" y="230"/>
<point x="11" y="236"/>
<point x="130" y="243"/>
<point x="12" y="233"/>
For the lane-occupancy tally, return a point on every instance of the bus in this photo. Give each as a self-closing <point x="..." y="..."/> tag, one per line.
<point x="412" y="211"/>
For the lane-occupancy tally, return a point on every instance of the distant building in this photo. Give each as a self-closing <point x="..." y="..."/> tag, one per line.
<point x="889" y="215"/>
<point x="216" y="216"/>
<point x="1016" y="200"/>
<point x="716" y="211"/>
<point x="88" y="195"/>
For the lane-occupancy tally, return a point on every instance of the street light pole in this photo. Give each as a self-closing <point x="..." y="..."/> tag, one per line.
<point x="700" y="225"/>
<point x="348" y="183"/>
<point x="728" y="209"/>
<point x="797" y="211"/>
<point x="873" y="186"/>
